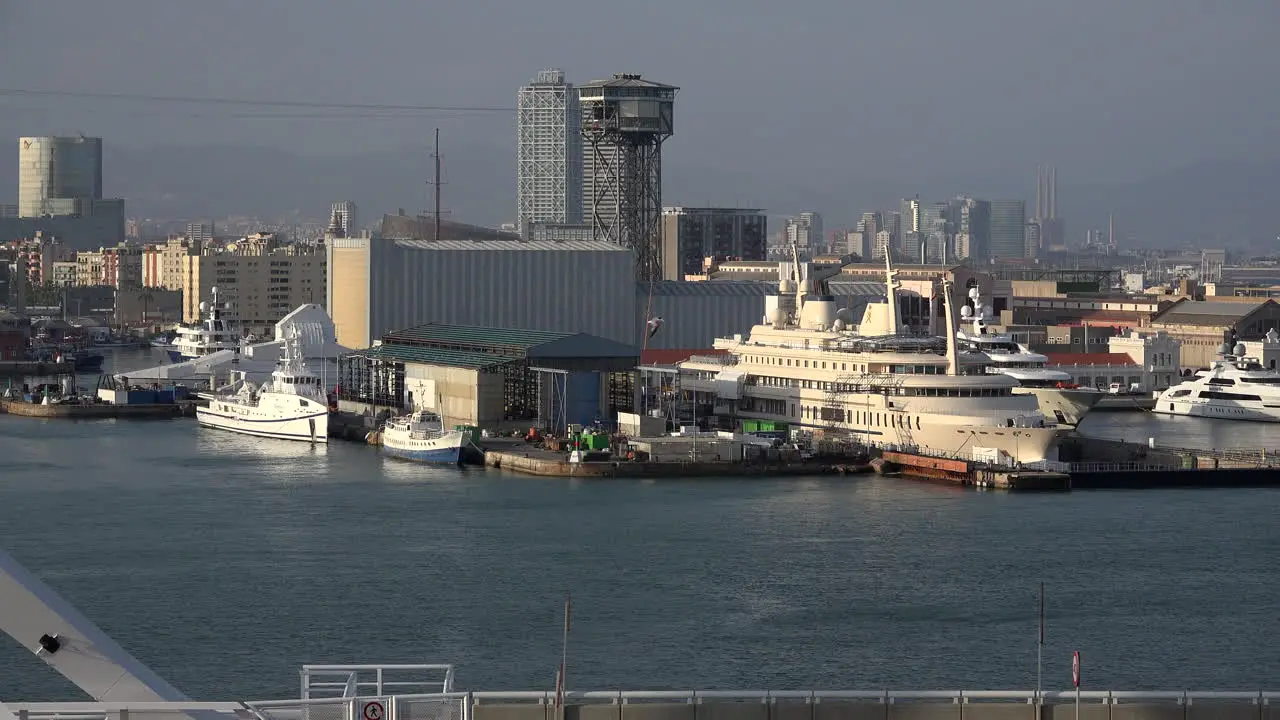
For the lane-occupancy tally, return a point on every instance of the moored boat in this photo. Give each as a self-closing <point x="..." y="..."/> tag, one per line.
<point x="422" y="437"/>
<point x="292" y="405"/>
<point x="808" y="365"/>
<point x="1235" y="387"/>
<point x="214" y="333"/>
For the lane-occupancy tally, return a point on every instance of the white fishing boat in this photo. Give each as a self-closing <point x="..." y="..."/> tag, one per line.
<point x="1236" y="387"/>
<point x="213" y="333"/>
<point x="421" y="436"/>
<point x="290" y="406"/>
<point x="1056" y="392"/>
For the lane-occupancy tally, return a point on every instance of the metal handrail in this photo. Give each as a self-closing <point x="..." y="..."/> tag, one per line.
<point x="87" y="710"/>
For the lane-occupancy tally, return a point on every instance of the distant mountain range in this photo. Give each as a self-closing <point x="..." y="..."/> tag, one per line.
<point x="1206" y="204"/>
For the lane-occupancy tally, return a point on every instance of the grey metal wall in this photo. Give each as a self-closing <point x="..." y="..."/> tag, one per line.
<point x="561" y="290"/>
<point x="695" y="314"/>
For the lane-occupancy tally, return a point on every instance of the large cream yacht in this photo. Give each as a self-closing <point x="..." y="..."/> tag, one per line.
<point x="806" y="366"/>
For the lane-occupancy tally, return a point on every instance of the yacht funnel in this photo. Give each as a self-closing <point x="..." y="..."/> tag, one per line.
<point x="818" y="312"/>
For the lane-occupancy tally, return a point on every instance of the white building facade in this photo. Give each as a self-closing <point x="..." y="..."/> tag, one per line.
<point x="548" y="152"/>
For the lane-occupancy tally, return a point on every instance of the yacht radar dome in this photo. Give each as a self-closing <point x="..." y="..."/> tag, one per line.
<point x="974" y="294"/>
<point x="204" y="307"/>
<point x="966" y="312"/>
<point x="1239" y="349"/>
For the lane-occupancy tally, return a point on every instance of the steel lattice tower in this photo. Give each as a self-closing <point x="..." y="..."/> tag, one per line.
<point x="624" y="123"/>
<point x="548" y="152"/>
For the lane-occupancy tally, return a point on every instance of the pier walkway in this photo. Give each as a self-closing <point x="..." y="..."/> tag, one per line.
<point x="702" y="705"/>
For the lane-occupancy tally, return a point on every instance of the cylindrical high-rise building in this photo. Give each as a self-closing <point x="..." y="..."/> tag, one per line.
<point x="58" y="175"/>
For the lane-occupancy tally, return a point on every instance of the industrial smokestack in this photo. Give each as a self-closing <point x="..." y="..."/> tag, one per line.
<point x="1053" y="192"/>
<point x="1039" y="189"/>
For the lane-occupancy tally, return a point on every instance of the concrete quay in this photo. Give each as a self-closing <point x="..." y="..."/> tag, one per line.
<point x="92" y="411"/>
<point x="544" y="463"/>
<point x="33" y="368"/>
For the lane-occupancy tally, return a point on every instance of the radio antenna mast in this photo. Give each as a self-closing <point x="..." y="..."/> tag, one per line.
<point x="437" y="211"/>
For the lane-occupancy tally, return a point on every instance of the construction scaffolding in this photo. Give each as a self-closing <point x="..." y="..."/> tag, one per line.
<point x="371" y="380"/>
<point x="520" y="390"/>
<point x="621" y="390"/>
<point x="660" y="394"/>
<point x="851" y="420"/>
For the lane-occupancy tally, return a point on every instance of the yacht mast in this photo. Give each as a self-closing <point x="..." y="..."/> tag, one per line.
<point x="891" y="293"/>
<point x="800" y="289"/>
<point x="953" y="364"/>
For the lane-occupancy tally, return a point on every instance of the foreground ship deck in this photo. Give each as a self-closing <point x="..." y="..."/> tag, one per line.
<point x="703" y="705"/>
<point x="123" y="688"/>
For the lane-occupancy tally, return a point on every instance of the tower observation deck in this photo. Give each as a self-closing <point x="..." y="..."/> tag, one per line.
<point x="624" y="123"/>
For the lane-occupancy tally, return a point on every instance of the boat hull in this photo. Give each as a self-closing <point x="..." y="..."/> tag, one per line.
<point x="957" y="438"/>
<point x="175" y="356"/>
<point x="306" y="424"/>
<point x="88" y="363"/>
<point x="1023" y="445"/>
<point x="444" y="450"/>
<point x="1066" y="406"/>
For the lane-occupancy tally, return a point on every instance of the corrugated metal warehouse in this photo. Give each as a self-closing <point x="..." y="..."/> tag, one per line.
<point x="378" y="286"/>
<point x="694" y="314"/>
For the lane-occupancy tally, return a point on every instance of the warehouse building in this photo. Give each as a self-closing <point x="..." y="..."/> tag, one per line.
<point x="694" y="314"/>
<point x="493" y="378"/>
<point x="379" y="285"/>
<point x="1204" y="326"/>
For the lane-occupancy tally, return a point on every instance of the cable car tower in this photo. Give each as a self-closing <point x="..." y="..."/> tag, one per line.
<point x="624" y="123"/>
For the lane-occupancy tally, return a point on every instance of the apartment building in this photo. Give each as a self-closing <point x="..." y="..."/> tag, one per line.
<point x="119" y="267"/>
<point x="40" y="252"/>
<point x="261" y="281"/>
<point x="164" y="265"/>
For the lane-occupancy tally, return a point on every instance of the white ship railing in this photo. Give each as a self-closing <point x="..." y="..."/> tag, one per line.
<point x="348" y="681"/>
<point x="465" y="705"/>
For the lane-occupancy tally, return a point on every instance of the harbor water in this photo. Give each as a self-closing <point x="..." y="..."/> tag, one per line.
<point x="226" y="561"/>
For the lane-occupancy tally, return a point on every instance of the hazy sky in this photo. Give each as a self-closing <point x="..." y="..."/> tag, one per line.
<point x="1106" y="89"/>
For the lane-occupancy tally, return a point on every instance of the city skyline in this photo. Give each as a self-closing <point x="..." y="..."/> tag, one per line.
<point x="1103" y="106"/>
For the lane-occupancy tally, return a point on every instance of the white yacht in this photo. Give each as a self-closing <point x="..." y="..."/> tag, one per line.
<point x="421" y="436"/>
<point x="213" y="333"/>
<point x="1057" y="393"/>
<point x="805" y="366"/>
<point x="290" y="406"/>
<point x="1236" y="387"/>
